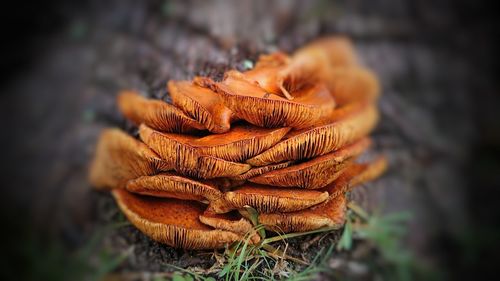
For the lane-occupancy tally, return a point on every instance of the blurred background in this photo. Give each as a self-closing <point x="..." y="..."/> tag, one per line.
<point x="64" y="62"/>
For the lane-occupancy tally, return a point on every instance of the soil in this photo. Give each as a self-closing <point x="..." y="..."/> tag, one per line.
<point x="421" y="51"/>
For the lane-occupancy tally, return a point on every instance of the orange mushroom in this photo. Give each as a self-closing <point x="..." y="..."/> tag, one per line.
<point x="188" y="161"/>
<point x="171" y="185"/>
<point x="320" y="140"/>
<point x="256" y="171"/>
<point x="231" y="221"/>
<point x="315" y="173"/>
<point x="155" y="113"/>
<point x="314" y="62"/>
<point x="250" y="102"/>
<point x="331" y="213"/>
<point x="238" y="144"/>
<point x="268" y="199"/>
<point x="119" y="158"/>
<point x="202" y="104"/>
<point x="353" y="84"/>
<point x="172" y="221"/>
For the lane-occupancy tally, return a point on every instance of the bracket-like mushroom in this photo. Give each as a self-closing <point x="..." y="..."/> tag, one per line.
<point x="268" y="199"/>
<point x="314" y="63"/>
<point x="315" y="173"/>
<point x="188" y="161"/>
<point x="237" y="145"/>
<point x="320" y="140"/>
<point x="119" y="158"/>
<point x="250" y="102"/>
<point x="202" y="104"/>
<point x="170" y="185"/>
<point x="156" y="114"/>
<point x="172" y="221"/>
<point x="231" y="221"/>
<point x="331" y="213"/>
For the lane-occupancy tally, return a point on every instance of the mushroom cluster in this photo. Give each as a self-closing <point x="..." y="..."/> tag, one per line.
<point x="283" y="138"/>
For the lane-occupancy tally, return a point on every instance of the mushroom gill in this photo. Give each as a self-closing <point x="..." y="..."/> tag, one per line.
<point x="320" y="140"/>
<point x="202" y="104"/>
<point x="266" y="73"/>
<point x="315" y="173"/>
<point x="186" y="160"/>
<point x="155" y="113"/>
<point x="238" y="144"/>
<point x="250" y="102"/>
<point x="314" y="63"/>
<point x="231" y="221"/>
<point x="119" y="158"/>
<point x="330" y="213"/>
<point x="269" y="199"/>
<point x="172" y="221"/>
<point x="171" y="185"/>
<point x="257" y="171"/>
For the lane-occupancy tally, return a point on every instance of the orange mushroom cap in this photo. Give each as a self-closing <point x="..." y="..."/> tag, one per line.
<point x="119" y="158"/>
<point x="202" y="104"/>
<point x="171" y="185"/>
<point x="269" y="199"/>
<point x="238" y="144"/>
<point x="172" y="221"/>
<point x="155" y="113"/>
<point x="315" y="173"/>
<point x="330" y="213"/>
<point x="250" y="102"/>
<point x="188" y="161"/>
<point x="320" y="140"/>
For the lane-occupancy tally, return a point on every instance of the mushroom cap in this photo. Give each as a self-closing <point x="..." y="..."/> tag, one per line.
<point x="171" y="221"/>
<point x="250" y="102"/>
<point x="336" y="51"/>
<point x="211" y="167"/>
<point x="238" y="144"/>
<point x="269" y="199"/>
<point x="256" y="171"/>
<point x="231" y="221"/>
<point x="171" y="185"/>
<point x="119" y="158"/>
<point x="314" y="62"/>
<point x="321" y="140"/>
<point x="330" y="213"/>
<point x="186" y="160"/>
<point x="315" y="173"/>
<point x="202" y="104"/>
<point x="266" y="72"/>
<point x="155" y="113"/>
<point x="353" y="84"/>
<point x="356" y="174"/>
